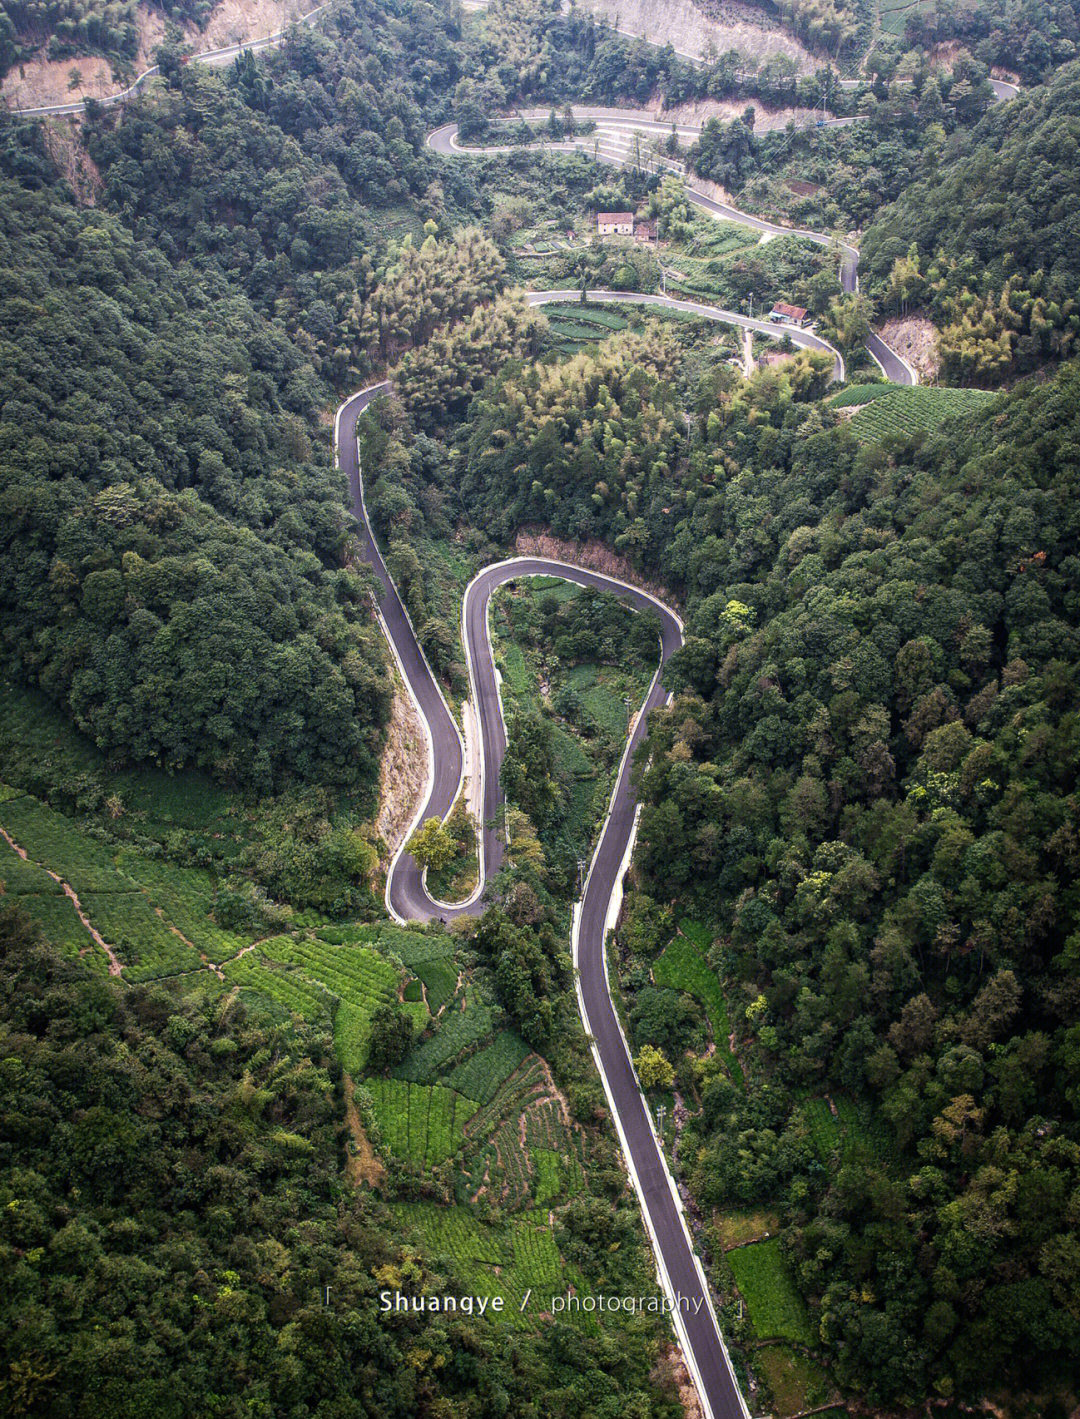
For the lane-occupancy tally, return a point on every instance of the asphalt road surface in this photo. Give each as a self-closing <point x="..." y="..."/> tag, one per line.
<point x="208" y="56"/>
<point x="613" y="141"/>
<point x="408" y="900"/>
<point x="805" y="338"/>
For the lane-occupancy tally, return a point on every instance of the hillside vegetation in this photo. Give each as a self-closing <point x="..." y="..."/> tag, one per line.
<point x="986" y="240"/>
<point x="866" y="783"/>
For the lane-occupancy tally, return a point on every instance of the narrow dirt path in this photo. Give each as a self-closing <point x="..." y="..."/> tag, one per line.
<point x="116" y="966"/>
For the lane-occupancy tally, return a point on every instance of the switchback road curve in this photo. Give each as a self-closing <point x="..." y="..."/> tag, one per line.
<point x="617" y="133"/>
<point x="807" y="339"/>
<point x="407" y="897"/>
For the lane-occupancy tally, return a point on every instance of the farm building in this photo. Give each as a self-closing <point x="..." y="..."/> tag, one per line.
<point x="784" y="314"/>
<point x="644" y="229"/>
<point x="615" y="223"/>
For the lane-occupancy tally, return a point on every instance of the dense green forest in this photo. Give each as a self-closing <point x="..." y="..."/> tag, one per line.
<point x="867" y="783"/>
<point x="987" y="240"/>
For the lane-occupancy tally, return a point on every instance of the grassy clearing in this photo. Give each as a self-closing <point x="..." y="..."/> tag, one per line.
<point x="776" y="1309"/>
<point x="735" y="1228"/>
<point x="45" y="756"/>
<point x="902" y="411"/>
<point x="683" y="967"/>
<point x="797" y="1383"/>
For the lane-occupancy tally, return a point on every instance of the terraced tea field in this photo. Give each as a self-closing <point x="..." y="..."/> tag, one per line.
<point x="347" y="981"/>
<point x="902" y="411"/>
<point x="481" y="1075"/>
<point x="466" y="1022"/>
<point x="422" y="1122"/>
<point x="155" y="916"/>
<point x="509" y="1261"/>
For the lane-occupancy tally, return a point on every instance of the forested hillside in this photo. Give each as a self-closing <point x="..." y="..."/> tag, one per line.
<point x="174" y="535"/>
<point x="170" y="525"/>
<point x="987" y="240"/>
<point x="849" y="955"/>
<point x="867" y="782"/>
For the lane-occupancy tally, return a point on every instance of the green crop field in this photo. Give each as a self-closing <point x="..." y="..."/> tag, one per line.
<point x="51" y="839"/>
<point x="776" y="1308"/>
<point x="421" y="1122"/>
<point x="458" y="1030"/>
<point x="548" y="1176"/>
<point x="683" y="967"/>
<point x="825" y="1131"/>
<point x="482" y="1074"/>
<point x="44" y="901"/>
<point x="509" y="1260"/>
<point x="515" y="673"/>
<point x="858" y="394"/>
<point x="904" y="411"/>
<point x="853" y="1131"/>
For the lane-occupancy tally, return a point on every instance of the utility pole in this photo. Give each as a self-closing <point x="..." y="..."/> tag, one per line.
<point x="581" y="865"/>
<point x="661" y="1114"/>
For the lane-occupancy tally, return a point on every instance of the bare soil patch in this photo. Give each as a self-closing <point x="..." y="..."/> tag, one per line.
<point x="701" y="110"/>
<point x="915" y="338"/>
<point x="43" y="81"/>
<point x="593" y="555"/>
<point x="728" y="25"/>
<point x="671" y="1368"/>
<point x="362" y="1164"/>
<point x="72" y="160"/>
<point x="403" y="773"/>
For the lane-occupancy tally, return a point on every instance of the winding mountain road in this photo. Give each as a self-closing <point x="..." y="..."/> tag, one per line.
<point x="616" y="139"/>
<point x="212" y="57"/>
<point x="408" y="899"/>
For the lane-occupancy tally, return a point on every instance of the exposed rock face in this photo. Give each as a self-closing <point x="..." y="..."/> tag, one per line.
<point x="915" y="338"/>
<point x="403" y="774"/>
<point x="723" y="24"/>
<point x="594" y="555"/>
